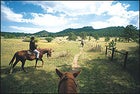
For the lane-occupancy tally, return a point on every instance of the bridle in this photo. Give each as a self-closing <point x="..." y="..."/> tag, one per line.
<point x="64" y="78"/>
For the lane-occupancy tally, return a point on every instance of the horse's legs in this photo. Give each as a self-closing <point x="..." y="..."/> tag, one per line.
<point x="42" y="62"/>
<point x="23" y="63"/>
<point x="36" y="63"/>
<point x="82" y="45"/>
<point x="12" y="67"/>
<point x="37" y="60"/>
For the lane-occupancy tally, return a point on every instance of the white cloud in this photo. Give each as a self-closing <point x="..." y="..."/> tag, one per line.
<point x="60" y="15"/>
<point x="35" y="29"/>
<point x="113" y="21"/>
<point x="10" y="15"/>
<point x="118" y="12"/>
<point x="99" y="24"/>
<point x="47" y="20"/>
<point x="133" y="17"/>
<point x="26" y="29"/>
<point x="73" y="8"/>
<point x="47" y="6"/>
<point x="119" y="16"/>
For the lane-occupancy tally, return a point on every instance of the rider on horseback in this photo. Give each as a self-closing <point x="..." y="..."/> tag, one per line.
<point x="82" y="42"/>
<point x="33" y="47"/>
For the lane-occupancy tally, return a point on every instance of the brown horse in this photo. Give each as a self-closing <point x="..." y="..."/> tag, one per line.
<point x="67" y="82"/>
<point x="27" y="55"/>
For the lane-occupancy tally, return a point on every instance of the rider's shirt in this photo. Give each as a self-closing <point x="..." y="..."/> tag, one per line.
<point x="32" y="45"/>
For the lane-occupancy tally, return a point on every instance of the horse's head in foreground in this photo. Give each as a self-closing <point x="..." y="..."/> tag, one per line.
<point x="67" y="82"/>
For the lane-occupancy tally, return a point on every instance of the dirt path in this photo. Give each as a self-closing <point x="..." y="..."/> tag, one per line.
<point x="75" y="65"/>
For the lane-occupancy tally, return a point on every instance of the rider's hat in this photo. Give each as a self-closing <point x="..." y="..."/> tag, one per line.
<point x="32" y="38"/>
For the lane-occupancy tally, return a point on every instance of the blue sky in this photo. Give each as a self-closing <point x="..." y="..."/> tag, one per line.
<point x="55" y="16"/>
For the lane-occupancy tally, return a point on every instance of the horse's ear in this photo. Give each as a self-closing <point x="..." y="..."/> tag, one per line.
<point x="75" y="74"/>
<point x="60" y="74"/>
<point x="51" y="50"/>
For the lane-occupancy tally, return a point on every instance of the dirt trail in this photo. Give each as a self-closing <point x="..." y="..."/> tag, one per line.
<point x="75" y="65"/>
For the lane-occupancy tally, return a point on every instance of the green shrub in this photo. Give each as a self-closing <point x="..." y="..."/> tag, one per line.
<point x="96" y="36"/>
<point x="107" y="39"/>
<point x="49" y="39"/>
<point x="120" y="39"/>
<point x="72" y="36"/>
<point x="112" y="44"/>
<point x="115" y="39"/>
<point x="9" y="36"/>
<point x="28" y="39"/>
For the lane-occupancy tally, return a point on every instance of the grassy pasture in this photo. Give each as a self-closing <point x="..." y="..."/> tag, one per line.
<point x="98" y="75"/>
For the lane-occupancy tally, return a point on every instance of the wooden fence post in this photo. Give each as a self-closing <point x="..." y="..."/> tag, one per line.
<point x="113" y="50"/>
<point x="125" y="60"/>
<point x="106" y="51"/>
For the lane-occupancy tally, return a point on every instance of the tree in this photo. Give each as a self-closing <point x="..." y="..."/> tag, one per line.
<point x="49" y="39"/>
<point x="107" y="39"/>
<point x="112" y="44"/>
<point x="96" y="36"/>
<point x="89" y="38"/>
<point x="130" y="32"/>
<point x="120" y="39"/>
<point x="27" y="39"/>
<point x="83" y="35"/>
<point x="72" y="36"/>
<point x="9" y="36"/>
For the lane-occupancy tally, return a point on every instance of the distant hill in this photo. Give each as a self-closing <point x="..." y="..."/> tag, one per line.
<point x="89" y="30"/>
<point x="109" y="31"/>
<point x="13" y="34"/>
<point x="76" y="31"/>
<point x="42" y="33"/>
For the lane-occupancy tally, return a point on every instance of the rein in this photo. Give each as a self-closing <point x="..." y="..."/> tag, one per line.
<point x="65" y="78"/>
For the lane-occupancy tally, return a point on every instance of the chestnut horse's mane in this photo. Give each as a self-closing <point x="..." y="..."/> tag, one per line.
<point x="67" y="83"/>
<point x="65" y="79"/>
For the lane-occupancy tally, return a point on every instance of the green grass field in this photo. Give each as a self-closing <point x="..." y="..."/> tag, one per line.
<point x="98" y="73"/>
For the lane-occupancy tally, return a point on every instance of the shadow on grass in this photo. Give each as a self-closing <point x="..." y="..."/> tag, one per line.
<point x="97" y="76"/>
<point x="33" y="81"/>
<point x="65" y="67"/>
<point x="102" y="76"/>
<point x="133" y="63"/>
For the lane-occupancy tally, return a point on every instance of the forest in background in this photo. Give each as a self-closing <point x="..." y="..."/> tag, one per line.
<point x="119" y="31"/>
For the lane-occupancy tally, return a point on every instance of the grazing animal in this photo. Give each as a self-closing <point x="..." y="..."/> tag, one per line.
<point x="27" y="55"/>
<point x="67" y="82"/>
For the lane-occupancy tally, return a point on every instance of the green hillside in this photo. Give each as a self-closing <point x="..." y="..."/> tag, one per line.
<point x="110" y="31"/>
<point x="89" y="30"/>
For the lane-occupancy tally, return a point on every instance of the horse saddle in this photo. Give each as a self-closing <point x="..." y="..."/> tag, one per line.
<point x="30" y="52"/>
<point x="31" y="55"/>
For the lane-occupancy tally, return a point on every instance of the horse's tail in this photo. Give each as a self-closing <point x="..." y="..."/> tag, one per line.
<point x="13" y="59"/>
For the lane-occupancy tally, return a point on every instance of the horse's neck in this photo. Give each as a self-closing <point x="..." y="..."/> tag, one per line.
<point x="68" y="86"/>
<point x="43" y="51"/>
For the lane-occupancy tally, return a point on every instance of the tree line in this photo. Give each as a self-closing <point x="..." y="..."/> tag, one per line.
<point x="128" y="33"/>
